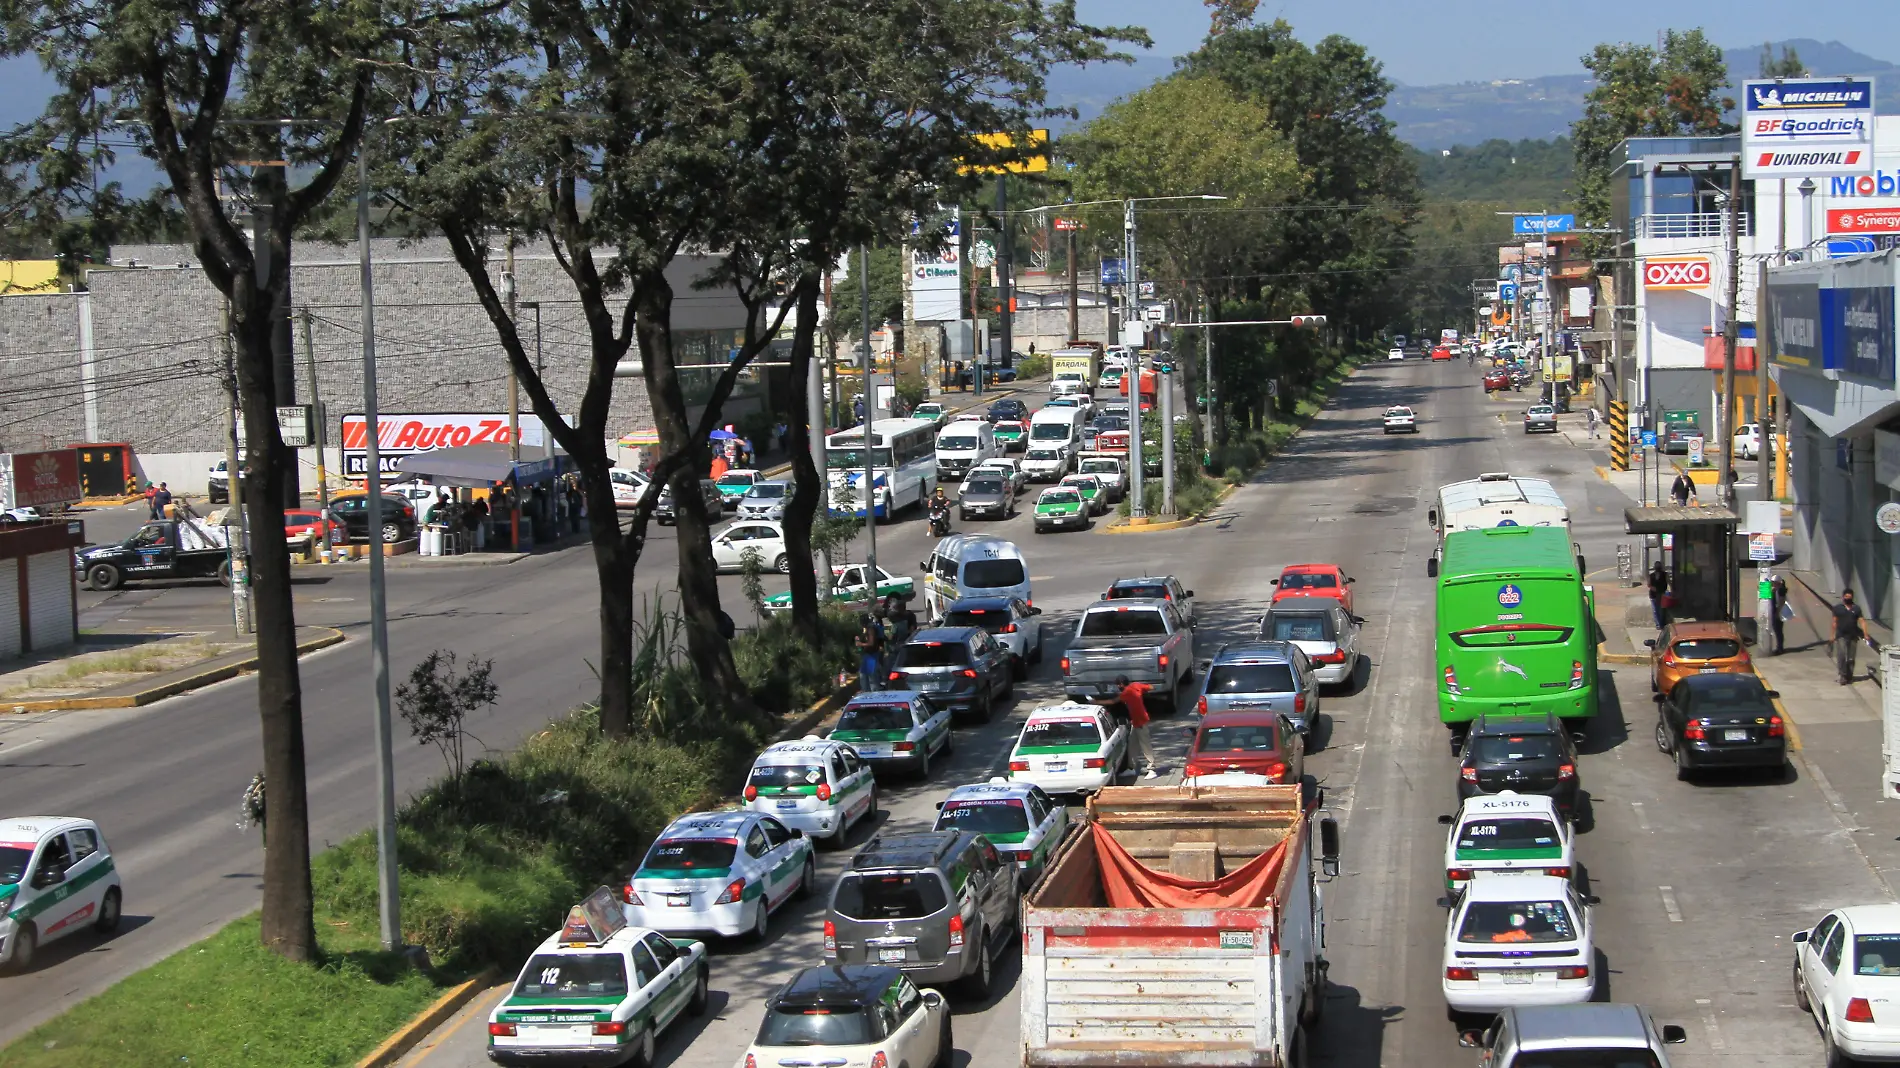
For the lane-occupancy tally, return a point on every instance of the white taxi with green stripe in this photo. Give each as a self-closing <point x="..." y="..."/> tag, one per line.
<point x="895" y="729"/>
<point x="722" y="873"/>
<point x="1507" y="833"/>
<point x="598" y="992"/>
<point x="1019" y="818"/>
<point x="56" y="878"/>
<point x="1060" y="507"/>
<point x="816" y="785"/>
<point x="1069" y="748"/>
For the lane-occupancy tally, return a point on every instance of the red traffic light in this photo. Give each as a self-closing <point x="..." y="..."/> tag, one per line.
<point x="1309" y="320"/>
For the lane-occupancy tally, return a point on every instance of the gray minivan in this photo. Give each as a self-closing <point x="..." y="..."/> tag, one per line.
<point x="1266" y="676"/>
<point x="940" y="905"/>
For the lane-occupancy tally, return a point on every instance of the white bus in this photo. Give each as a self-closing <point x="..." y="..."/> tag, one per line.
<point x="904" y="463"/>
<point x="1494" y="499"/>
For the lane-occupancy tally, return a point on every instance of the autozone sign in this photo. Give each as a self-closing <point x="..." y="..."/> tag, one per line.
<point x="1677" y="272"/>
<point x="399" y="435"/>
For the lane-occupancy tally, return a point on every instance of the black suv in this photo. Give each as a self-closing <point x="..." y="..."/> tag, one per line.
<point x="939" y="905"/>
<point x="963" y="669"/>
<point x="1531" y="754"/>
<point x="1008" y="408"/>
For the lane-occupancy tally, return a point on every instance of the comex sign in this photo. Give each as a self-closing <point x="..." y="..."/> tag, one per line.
<point x="1678" y="272"/>
<point x="1807" y="128"/>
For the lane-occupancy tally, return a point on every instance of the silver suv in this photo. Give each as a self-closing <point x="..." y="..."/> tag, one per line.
<point x="1579" y="1034"/>
<point x="1265" y="676"/>
<point x="939" y="905"/>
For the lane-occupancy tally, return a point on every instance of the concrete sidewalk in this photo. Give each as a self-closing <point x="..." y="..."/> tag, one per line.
<point x="43" y="691"/>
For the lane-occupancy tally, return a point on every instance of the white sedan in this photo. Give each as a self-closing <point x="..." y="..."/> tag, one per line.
<point x="1400" y="419"/>
<point x="1513" y="941"/>
<point x="722" y="873"/>
<point x="1847" y="973"/>
<point x="1395" y="354"/>
<point x="1069" y="749"/>
<point x="766" y="539"/>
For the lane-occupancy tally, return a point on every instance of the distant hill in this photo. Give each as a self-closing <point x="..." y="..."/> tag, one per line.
<point x="1526" y="174"/>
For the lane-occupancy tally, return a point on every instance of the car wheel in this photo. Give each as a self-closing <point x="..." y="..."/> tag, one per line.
<point x="1801" y="992"/>
<point x="1831" y="1054"/>
<point x="923" y="761"/>
<point x="1036" y="657"/>
<point x="1018" y="667"/>
<point x="24" y="943"/>
<point x="1683" y="771"/>
<point x="109" y="913"/>
<point x="1009" y="685"/>
<point x="976" y="985"/>
<point x="392" y="533"/>
<point x="782" y="565"/>
<point x="808" y="879"/>
<point x="701" y="1001"/>
<point x="103" y="577"/>
<point x="946" y="1045"/>
<point x="642" y="1050"/>
<point x="984" y="708"/>
<point x="761" y="922"/>
<point x="1662" y="737"/>
<point x="962" y="516"/>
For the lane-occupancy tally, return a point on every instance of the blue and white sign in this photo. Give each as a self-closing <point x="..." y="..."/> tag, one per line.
<point x="1511" y="272"/>
<point x="1114" y="272"/>
<point x="1842" y="247"/>
<point x="1807" y="128"/>
<point x="1507" y="291"/>
<point x="1510" y="595"/>
<point x="1543" y="224"/>
<point x="1649" y="439"/>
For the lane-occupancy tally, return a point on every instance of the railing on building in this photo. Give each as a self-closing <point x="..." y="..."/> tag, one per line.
<point x="1705" y="224"/>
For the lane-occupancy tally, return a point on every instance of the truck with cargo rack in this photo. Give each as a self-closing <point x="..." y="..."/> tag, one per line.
<point x="161" y="549"/>
<point x="1179" y="928"/>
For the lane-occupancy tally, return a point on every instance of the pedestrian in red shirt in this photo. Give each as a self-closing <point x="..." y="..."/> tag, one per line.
<point x="1133" y="699"/>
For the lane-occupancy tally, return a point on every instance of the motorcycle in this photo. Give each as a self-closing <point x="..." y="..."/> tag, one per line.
<point x="939" y="522"/>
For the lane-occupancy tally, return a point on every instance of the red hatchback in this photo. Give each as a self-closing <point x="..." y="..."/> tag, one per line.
<point x="1441" y="353"/>
<point x="1497" y="380"/>
<point x="1245" y="749"/>
<point x="1315" y="580"/>
<point x="301" y="521"/>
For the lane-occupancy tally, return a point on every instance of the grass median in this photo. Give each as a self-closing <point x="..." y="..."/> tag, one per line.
<point x="489" y="863"/>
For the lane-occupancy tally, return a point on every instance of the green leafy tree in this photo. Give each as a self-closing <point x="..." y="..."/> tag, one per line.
<point x="186" y="84"/>
<point x="1787" y="65"/>
<point x="1644" y="91"/>
<point x="887" y="294"/>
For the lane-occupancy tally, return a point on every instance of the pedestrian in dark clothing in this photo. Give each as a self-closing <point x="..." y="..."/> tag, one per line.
<point x="1683" y="490"/>
<point x="857" y="408"/>
<point x="870" y="643"/>
<point x="161" y="501"/>
<point x="1658" y="589"/>
<point x="1778" y="604"/>
<point x="784" y="435"/>
<point x="726" y="627"/>
<point x="151" y="499"/>
<point x="903" y="621"/>
<point x="1848" y="634"/>
<point x="962" y="386"/>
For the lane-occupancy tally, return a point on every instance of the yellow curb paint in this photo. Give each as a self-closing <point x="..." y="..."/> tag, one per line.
<point x="499" y="988"/>
<point x="426" y="1021"/>
<point x="812" y="717"/>
<point x="170" y="689"/>
<point x="1602" y="473"/>
<point x="1794" y="733"/>
<point x="1622" y="658"/>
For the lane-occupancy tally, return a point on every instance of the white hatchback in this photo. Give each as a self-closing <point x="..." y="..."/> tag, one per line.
<point x="766" y="540"/>
<point x="56" y="878"/>
<point x="1514" y="941"/>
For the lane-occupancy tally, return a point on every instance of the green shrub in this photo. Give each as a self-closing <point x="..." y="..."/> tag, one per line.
<point x="1033" y="367"/>
<point x="1235" y="476"/>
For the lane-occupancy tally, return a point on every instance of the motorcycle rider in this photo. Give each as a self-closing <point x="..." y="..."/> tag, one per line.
<point x="939" y="510"/>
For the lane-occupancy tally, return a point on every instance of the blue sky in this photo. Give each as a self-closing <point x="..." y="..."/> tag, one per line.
<point x="1425" y="42"/>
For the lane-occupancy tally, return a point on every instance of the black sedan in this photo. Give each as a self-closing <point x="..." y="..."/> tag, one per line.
<point x="1008" y="408"/>
<point x="1721" y="721"/>
<point x="1529" y="754"/>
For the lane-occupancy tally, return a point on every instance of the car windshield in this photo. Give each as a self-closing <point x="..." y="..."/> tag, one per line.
<point x="816" y="1025"/>
<point x="1057" y="431"/>
<point x="767" y="490"/>
<point x="1250" y="678"/>
<point x="1043" y="454"/>
<point x="957" y="444"/>
<point x="1304" y="581"/>
<point x="933" y="655"/>
<point x="1099" y="467"/>
<point x="1158" y="590"/>
<point x="1064" y="497"/>
<point x="1607" y="1057"/>
<point x="880" y="717"/>
<point x="1517" y="921"/>
<point x="1707" y="648"/>
<point x="1398" y="411"/>
<point x="1298" y="627"/>
<point x="1877" y="954"/>
<point x="990" y="619"/>
<point x="573" y="975"/>
<point x="766" y="776"/>
<point x="1250" y="738"/>
<point x="992" y="574"/>
<point x="1124" y="623"/>
<point x="13" y="862"/>
<point x="1514" y="748"/>
<point x="691" y="854"/>
<point x="1061" y="732"/>
<point x="1513" y="832"/>
<point x="984" y="485"/>
<point x="904" y="896"/>
<point x="985" y="816"/>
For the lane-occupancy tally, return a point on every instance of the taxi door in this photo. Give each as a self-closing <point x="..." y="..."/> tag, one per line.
<point x="1117" y="735"/>
<point x="674" y="991"/>
<point x="935" y="722"/>
<point x="783" y="858"/>
<point x="68" y="899"/>
<point x="851" y="778"/>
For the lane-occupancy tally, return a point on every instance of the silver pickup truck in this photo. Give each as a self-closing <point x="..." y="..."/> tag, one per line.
<point x="1145" y="639"/>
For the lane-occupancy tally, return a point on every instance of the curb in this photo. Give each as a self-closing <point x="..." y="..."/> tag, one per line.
<point x="169" y="689"/>
<point x="111" y="502"/>
<point x="1630" y="659"/>
<point x="818" y="713"/>
<point x="426" y="1021"/>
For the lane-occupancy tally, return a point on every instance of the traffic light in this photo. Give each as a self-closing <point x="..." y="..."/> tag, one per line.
<point x="1309" y="320"/>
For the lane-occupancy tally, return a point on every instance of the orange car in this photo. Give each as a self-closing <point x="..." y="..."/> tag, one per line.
<point x="1695" y="649"/>
<point x="1314" y="580"/>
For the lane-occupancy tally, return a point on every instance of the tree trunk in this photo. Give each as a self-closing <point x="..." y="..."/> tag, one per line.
<point x="615" y="558"/>
<point x="288" y="923"/>
<point x="808" y="486"/>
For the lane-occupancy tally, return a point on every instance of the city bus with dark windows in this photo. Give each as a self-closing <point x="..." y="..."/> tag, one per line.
<point x="1516" y="626"/>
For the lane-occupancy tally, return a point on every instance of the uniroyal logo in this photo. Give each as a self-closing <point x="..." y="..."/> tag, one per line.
<point x="1844" y="158"/>
<point x="1684" y="273"/>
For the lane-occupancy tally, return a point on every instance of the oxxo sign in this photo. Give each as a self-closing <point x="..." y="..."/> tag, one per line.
<point x="1677" y="272"/>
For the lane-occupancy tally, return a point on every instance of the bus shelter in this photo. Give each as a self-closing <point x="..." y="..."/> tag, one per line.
<point x="1698" y="547"/>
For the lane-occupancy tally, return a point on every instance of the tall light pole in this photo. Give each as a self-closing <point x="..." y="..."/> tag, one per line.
<point x="870" y="416"/>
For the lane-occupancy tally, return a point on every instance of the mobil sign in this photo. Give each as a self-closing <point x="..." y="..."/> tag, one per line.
<point x="1677" y="272"/>
<point x="400" y="435"/>
<point x="1807" y="128"/>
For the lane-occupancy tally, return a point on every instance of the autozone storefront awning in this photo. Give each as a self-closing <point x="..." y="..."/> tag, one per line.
<point x="478" y="466"/>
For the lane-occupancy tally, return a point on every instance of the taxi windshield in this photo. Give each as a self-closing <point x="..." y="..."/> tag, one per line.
<point x="884" y="717"/>
<point x="769" y="776"/>
<point x="13" y="862"/>
<point x="763" y="490"/>
<point x="816" y="1025"/>
<point x="692" y="854"/>
<point x="1516" y="833"/>
<point x="985" y="816"/>
<point x="1517" y="921"/>
<point x="564" y="975"/>
<point x="1062" y="732"/>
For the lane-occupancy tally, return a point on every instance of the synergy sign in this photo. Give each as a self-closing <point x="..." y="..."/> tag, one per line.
<point x="1677" y="272"/>
<point x="1807" y="128"/>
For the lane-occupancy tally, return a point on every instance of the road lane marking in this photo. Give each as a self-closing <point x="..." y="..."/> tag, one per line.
<point x="1669" y="904"/>
<point x="1708" y="1024"/>
<point x="1845" y="819"/>
<point x="1642" y="817"/>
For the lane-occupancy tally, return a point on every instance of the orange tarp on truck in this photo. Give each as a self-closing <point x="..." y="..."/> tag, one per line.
<point x="1131" y="885"/>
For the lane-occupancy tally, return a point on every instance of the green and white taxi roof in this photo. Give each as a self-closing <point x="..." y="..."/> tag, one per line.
<point x="1060" y="498"/>
<point x="1085" y="484"/>
<point x="891" y="724"/>
<point x="1508" y="834"/>
<point x="1018" y="817"/>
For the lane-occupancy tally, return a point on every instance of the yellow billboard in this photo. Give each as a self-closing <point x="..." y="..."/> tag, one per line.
<point x="20" y="277"/>
<point x="1037" y="141"/>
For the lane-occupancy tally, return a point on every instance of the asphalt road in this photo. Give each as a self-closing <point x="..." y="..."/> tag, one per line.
<point x="1700" y="882"/>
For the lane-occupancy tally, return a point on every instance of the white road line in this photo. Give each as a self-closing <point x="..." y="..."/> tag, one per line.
<point x="1669" y="904"/>
<point x="1642" y="817"/>
<point x="1708" y="1024"/>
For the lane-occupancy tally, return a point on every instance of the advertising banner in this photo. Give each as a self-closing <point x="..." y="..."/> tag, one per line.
<point x="39" y="479"/>
<point x="1677" y="272"/>
<point x="399" y="435"/>
<point x="1795" y="310"/>
<point x="1543" y="224"/>
<point x="1863" y="220"/>
<point x="1114" y="272"/>
<point x="1857" y="331"/>
<point x="936" y="278"/>
<point x="1807" y="128"/>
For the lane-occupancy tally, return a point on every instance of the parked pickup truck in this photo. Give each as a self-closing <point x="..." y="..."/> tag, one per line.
<point x="1221" y="975"/>
<point x="1145" y="639"/>
<point x="161" y="549"/>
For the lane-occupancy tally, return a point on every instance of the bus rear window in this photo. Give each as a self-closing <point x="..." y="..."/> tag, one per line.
<point x="1507" y="634"/>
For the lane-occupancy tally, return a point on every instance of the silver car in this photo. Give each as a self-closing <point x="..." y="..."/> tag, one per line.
<point x="1262" y="677"/>
<point x="985" y="494"/>
<point x="766" y="500"/>
<point x="1324" y="631"/>
<point x="1540" y="417"/>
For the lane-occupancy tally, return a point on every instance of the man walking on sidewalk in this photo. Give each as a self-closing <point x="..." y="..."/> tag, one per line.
<point x="1590" y="422"/>
<point x="1847" y="635"/>
<point x="1133" y="698"/>
<point x="1779" y="591"/>
<point x="1658" y="589"/>
<point x="1683" y="489"/>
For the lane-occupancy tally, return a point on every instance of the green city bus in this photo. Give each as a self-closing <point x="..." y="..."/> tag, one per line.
<point x="1516" y="627"/>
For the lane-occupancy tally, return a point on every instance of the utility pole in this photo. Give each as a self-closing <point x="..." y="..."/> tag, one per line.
<point x="831" y="362"/>
<point x="1006" y="279"/>
<point x="1075" y="305"/>
<point x="1729" y="332"/>
<point x="316" y="416"/>
<point x="1164" y="401"/>
<point x="1764" y="489"/>
<point x="1137" y="512"/>
<point x="870" y="416"/>
<point x="508" y="292"/>
<point x="234" y="525"/>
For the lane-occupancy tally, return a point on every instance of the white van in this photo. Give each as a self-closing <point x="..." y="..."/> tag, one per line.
<point x="973" y="565"/>
<point x="961" y="446"/>
<point x="1059" y="425"/>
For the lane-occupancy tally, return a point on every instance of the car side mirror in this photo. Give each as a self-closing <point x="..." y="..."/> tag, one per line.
<point x="1471" y="1039"/>
<point x="1444" y="903"/>
<point x="1674" y="1035"/>
<point x="1592" y="899"/>
<point x="1444" y="821"/>
<point x="796" y="833"/>
<point x="1273" y="582"/>
<point x="1189" y="593"/>
<point x="48" y="877"/>
<point x="1035" y="611"/>
<point x="1431" y="518"/>
<point x="1649" y="643"/>
<point x="934" y="999"/>
<point x="1329" y="846"/>
<point x="1350" y="580"/>
<point x="1798" y="936"/>
<point x="1774" y="694"/>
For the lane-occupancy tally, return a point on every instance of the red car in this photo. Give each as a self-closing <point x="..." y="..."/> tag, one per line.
<point x="1245" y="749"/>
<point x="301" y="521"/>
<point x="1315" y="580"/>
<point x="1441" y="353"/>
<point x="1494" y="381"/>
